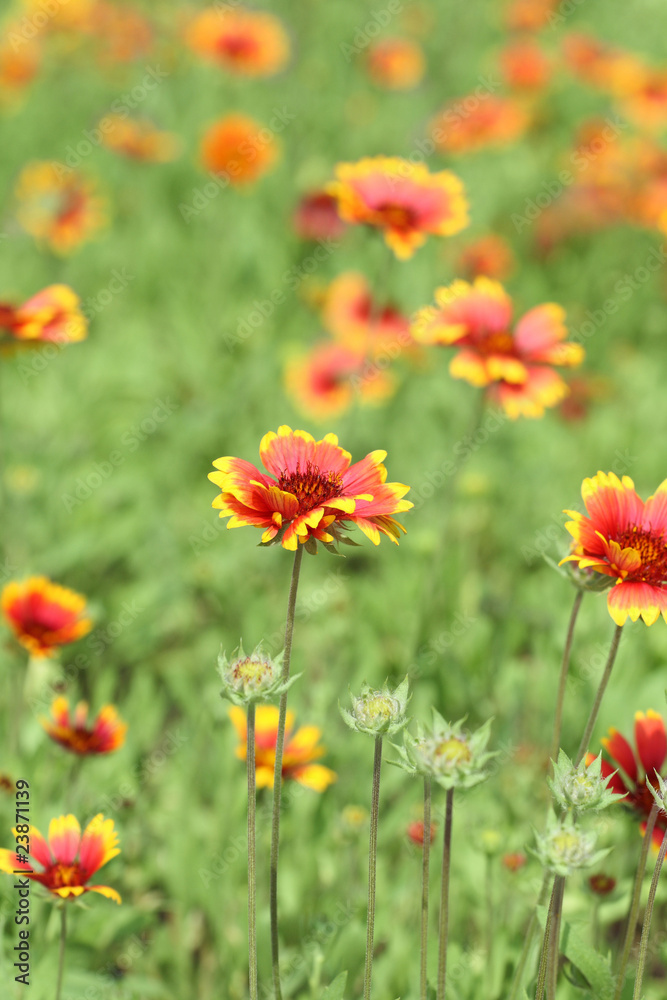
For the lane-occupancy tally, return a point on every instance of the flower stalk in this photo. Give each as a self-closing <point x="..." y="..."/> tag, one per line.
<point x="592" y="719"/>
<point x="444" y="897"/>
<point x="646" y="928"/>
<point x="252" y="855"/>
<point x="372" y="865"/>
<point x="61" y="949"/>
<point x="423" y="978"/>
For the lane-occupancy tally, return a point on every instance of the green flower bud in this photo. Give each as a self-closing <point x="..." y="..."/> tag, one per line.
<point x="581" y="788"/>
<point x="450" y="755"/>
<point x="254" y="678"/>
<point x="564" y="848"/>
<point x="378" y="713"/>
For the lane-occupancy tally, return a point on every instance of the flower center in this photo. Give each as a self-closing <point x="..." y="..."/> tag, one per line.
<point x="61" y="875"/>
<point x="652" y="551"/>
<point x="311" y="487"/>
<point x="397" y="216"/>
<point x="250" y="671"/>
<point x="240" y="46"/>
<point x="453" y="751"/>
<point x="501" y="342"/>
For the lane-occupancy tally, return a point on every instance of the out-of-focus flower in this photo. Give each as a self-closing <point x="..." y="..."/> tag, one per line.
<point x="623" y="537"/>
<point x="248" y="679"/>
<point x="525" y="65"/>
<point x="58" y="206"/>
<point x="404" y="200"/>
<point x="311" y="493"/>
<point x="514" y="861"/>
<point x="449" y="754"/>
<point x="250" y="43"/>
<point x="354" y="817"/>
<point x="239" y="148"/>
<point x="601" y="65"/>
<point x="516" y="366"/>
<point x="121" y="33"/>
<point x="601" y="884"/>
<point x="18" y="65"/>
<point x="565" y="848"/>
<point x="302" y="748"/>
<point x="52" y="316"/>
<point x="325" y="381"/>
<point x="584" y="390"/>
<point x="396" y="63"/>
<point x="638" y="767"/>
<point x="71" y="16"/>
<point x="316" y="217"/>
<point x="415" y="832"/>
<point x="104" y="735"/>
<point x="67" y="859"/>
<point x="352" y="316"/>
<point x="378" y="713"/>
<point x="529" y="15"/>
<point x="582" y="788"/>
<point x="43" y="615"/>
<point x="471" y="122"/>
<point x="490" y="256"/>
<point x="138" y="139"/>
<point x="646" y="103"/>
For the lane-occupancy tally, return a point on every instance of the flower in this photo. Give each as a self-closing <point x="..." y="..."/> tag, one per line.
<point x="106" y="734"/>
<point x="638" y="767"/>
<point x="516" y="366"/>
<point x="316" y="217"/>
<point x="248" y="43"/>
<point x="583" y="787"/>
<point x="525" y="66"/>
<point x="396" y="63"/>
<point x="490" y="256"/>
<point x="43" y="615"/>
<point x="323" y="382"/>
<point x="529" y="15"/>
<point x="58" y="206"/>
<point x="352" y="316"/>
<point x="18" y="66"/>
<point x="311" y="493"/>
<point x="565" y="848"/>
<point x="68" y="859"/>
<point x="52" y="316"/>
<point x="601" y="884"/>
<point x="378" y="713"/>
<point x="471" y="122"/>
<point x="513" y="861"/>
<point x="624" y="538"/>
<point x="301" y="749"/>
<point x="415" y="832"/>
<point x="249" y="679"/>
<point x="239" y="148"/>
<point x="403" y="199"/>
<point x="450" y="755"/>
<point x="138" y="139"/>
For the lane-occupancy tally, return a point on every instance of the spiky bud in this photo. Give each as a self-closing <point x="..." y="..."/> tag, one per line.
<point x="378" y="713"/>
<point x="248" y="679"/>
<point x="450" y="755"/>
<point x="581" y="788"/>
<point x="564" y="848"/>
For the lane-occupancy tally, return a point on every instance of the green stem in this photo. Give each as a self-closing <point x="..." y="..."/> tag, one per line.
<point x="372" y="865"/>
<point x="423" y="980"/>
<point x="278" y="776"/>
<point x="553" y="952"/>
<point x="542" y="971"/>
<point x="588" y="732"/>
<point x="564" y="668"/>
<point x="646" y="929"/>
<point x="252" y="855"/>
<point x="444" y="897"/>
<point x="636" y="898"/>
<point x="61" y="950"/>
<point x="489" y="923"/>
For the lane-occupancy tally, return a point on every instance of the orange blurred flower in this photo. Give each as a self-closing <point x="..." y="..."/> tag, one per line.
<point x="18" y="65"/>
<point x="516" y="367"/>
<point x="602" y="65"/>
<point x="58" y="206"/>
<point x="646" y="104"/>
<point x="514" y="861"/>
<point x="316" y="217"/>
<point x="301" y="749"/>
<point x="602" y="884"/>
<point x="396" y="63"/>
<point x="525" y="65"/>
<point x="403" y="199"/>
<point x="64" y="15"/>
<point x="312" y="492"/>
<point x="529" y="15"/>
<point x="624" y="538"/>
<point x="325" y="381"/>
<point x="106" y="734"/>
<point x="67" y="859"/>
<point x="43" y="615"/>
<point x="415" y="832"/>
<point x="356" y="320"/>
<point x="240" y="148"/>
<point x="121" y="32"/>
<point x="138" y="139"/>
<point x="53" y="315"/>
<point x="475" y="122"/>
<point x="250" y="43"/>
<point x="489" y="255"/>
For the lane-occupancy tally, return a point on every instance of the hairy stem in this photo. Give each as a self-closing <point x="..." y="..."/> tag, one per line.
<point x="423" y="982"/>
<point x="646" y="929"/>
<point x="372" y="865"/>
<point x="592" y="719"/>
<point x="444" y="897"/>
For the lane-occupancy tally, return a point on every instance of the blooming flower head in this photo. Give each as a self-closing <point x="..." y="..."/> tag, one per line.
<point x="529" y="15"/>
<point x="396" y="63"/>
<point x="470" y="123"/>
<point x="525" y="66"/>
<point x="18" y="65"/>
<point x="239" y="148"/>
<point x="302" y="748"/>
<point x="248" y="43"/>
<point x="104" y="735"/>
<point x="324" y="382"/>
<point x="355" y="319"/>
<point x="646" y="104"/>
<point x="490" y="256"/>
<point x="138" y="139"/>
<point x="51" y="316"/>
<point x="58" y="206"/>
<point x="43" y="615"/>
<point x="66" y="859"/>
<point x="316" y="217"/>
<point x="632" y="769"/>
<point x="415" y="832"/>
<point x="624" y="538"/>
<point x="310" y="493"/>
<point x="403" y="199"/>
<point x="516" y="366"/>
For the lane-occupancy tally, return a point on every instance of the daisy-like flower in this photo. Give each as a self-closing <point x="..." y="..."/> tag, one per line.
<point x="311" y="492"/>
<point x="58" y="206"/>
<point x="18" y="66"/>
<point x="66" y="859"/>
<point x="415" y="831"/>
<point x="325" y="382"/>
<point x="248" y="43"/>
<point x="396" y="63"/>
<point x="302" y="748"/>
<point x="43" y="615"/>
<point x="624" y="538"/>
<point x="138" y="139"/>
<point x="516" y="366"/>
<point x="403" y="199"/>
<point x="490" y="256"/>
<point x="72" y="731"/>
<point x="356" y="320"/>
<point x="632" y="768"/>
<point x="316" y="217"/>
<point x="529" y="15"/>
<point x="469" y="123"/>
<point x="239" y="148"/>
<point x="525" y="65"/>
<point x="53" y="316"/>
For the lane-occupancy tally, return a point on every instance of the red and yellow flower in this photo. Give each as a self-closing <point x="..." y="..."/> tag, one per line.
<point x="471" y="122"/>
<point x="516" y="366"/>
<point x="316" y="217"/>
<point x="325" y="381"/>
<point x="525" y="65"/>
<point x="249" y="43"/>
<point x="43" y="615"/>
<point x="67" y="860"/>
<point x="301" y="749"/>
<point x="403" y="199"/>
<point x="138" y="139"/>
<point x="58" y="206"/>
<point x="53" y="316"/>
<point x="624" y="538"/>
<point x="311" y="493"/>
<point x="238" y="147"/>
<point x="352" y="316"/>
<point x="71" y="730"/>
<point x="489" y="255"/>
<point x="529" y="15"/>
<point x="638" y="766"/>
<point x="396" y="63"/>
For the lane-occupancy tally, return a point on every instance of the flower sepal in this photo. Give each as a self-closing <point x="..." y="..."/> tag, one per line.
<point x="565" y="848"/>
<point x="582" y="788"/>
<point x="378" y="713"/>
<point x="449" y="754"/>
<point x="249" y="679"/>
<point x="659" y="793"/>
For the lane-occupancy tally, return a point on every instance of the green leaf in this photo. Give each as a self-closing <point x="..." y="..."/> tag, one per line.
<point x="592" y="965"/>
<point x="336" y="989"/>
